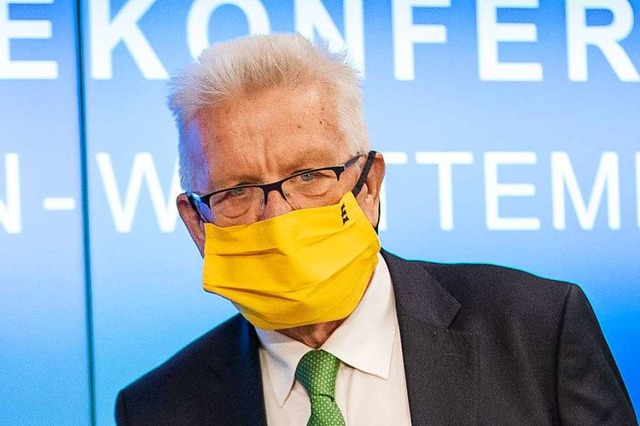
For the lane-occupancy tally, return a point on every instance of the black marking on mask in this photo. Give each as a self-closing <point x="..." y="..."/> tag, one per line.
<point x="343" y="210"/>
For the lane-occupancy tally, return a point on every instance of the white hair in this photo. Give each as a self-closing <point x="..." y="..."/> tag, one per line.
<point x="257" y="63"/>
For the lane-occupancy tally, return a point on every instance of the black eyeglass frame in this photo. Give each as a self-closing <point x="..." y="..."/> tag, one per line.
<point x="197" y="199"/>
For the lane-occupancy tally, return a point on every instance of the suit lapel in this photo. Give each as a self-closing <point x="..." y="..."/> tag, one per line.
<point x="440" y="363"/>
<point x="247" y="383"/>
<point x="240" y="371"/>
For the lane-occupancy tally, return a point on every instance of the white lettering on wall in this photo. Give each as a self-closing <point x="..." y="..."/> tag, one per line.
<point x="607" y="179"/>
<point x="494" y="190"/>
<point x="24" y="29"/>
<point x="200" y="15"/>
<point x="605" y="37"/>
<point x="143" y="170"/>
<point x="406" y="34"/>
<point x="311" y="16"/>
<point x="445" y="161"/>
<point x="491" y="33"/>
<point x="10" y="217"/>
<point x="106" y="34"/>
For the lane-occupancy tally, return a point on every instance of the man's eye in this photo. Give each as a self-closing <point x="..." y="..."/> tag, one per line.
<point x="237" y="192"/>
<point x="309" y="176"/>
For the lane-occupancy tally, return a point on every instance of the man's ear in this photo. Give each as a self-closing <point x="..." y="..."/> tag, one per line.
<point x="369" y="196"/>
<point x="191" y="218"/>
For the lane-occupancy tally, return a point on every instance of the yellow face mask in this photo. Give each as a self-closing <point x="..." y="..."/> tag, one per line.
<point x="304" y="267"/>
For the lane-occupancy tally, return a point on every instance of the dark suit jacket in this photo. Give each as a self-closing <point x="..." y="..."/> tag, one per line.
<point x="482" y="345"/>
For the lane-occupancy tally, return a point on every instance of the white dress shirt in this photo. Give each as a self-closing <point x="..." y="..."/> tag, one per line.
<point x="370" y="388"/>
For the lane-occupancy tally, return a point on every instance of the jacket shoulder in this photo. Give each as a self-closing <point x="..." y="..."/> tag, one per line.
<point x="174" y="392"/>
<point x="491" y="295"/>
<point x="536" y="343"/>
<point x="499" y="290"/>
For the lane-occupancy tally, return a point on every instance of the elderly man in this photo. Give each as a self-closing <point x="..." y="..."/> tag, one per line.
<point x="282" y="197"/>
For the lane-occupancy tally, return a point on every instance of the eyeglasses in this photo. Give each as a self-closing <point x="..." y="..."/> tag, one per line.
<point x="244" y="204"/>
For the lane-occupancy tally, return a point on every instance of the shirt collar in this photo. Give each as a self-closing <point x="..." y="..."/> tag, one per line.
<point x="363" y="341"/>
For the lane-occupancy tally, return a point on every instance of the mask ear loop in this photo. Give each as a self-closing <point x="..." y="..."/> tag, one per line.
<point x="365" y="173"/>
<point x="363" y="178"/>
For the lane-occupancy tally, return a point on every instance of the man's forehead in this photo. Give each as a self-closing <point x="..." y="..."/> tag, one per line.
<point x="308" y="99"/>
<point x="229" y="162"/>
<point x="251" y="167"/>
<point x="298" y="111"/>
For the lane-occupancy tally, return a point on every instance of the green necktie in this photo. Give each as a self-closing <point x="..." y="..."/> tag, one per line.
<point x="317" y="372"/>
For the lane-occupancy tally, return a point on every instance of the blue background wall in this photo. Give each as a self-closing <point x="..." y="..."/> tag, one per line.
<point x="99" y="282"/>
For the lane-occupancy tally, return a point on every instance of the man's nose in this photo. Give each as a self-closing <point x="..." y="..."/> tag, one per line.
<point x="275" y="205"/>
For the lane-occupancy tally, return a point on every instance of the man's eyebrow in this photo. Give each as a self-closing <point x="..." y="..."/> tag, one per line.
<point x="304" y="169"/>
<point x="309" y="159"/>
<point x="306" y="160"/>
<point x="233" y="181"/>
